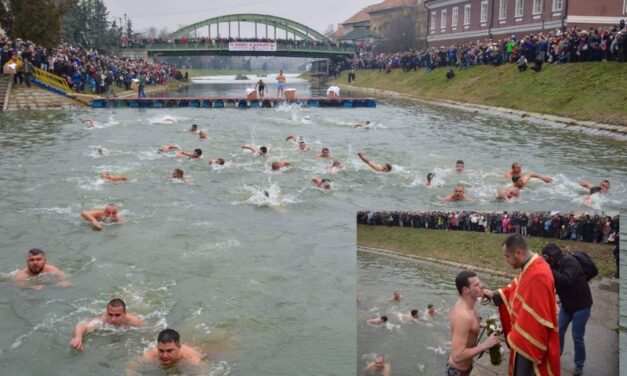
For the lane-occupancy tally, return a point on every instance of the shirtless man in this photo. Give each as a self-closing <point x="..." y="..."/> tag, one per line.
<point x="335" y="167"/>
<point x="411" y="316"/>
<point x="291" y="138"/>
<point x="277" y="165"/>
<point x="261" y="150"/>
<point x="218" y="161"/>
<point x="303" y="146"/>
<point x="519" y="182"/>
<point x="459" y="166"/>
<point x="603" y="187"/>
<point x="430" y="177"/>
<point x="325" y="153"/>
<point x="517" y="170"/>
<point x="168" y="148"/>
<point x="378" y="367"/>
<point x="431" y="310"/>
<point x="364" y="125"/>
<point x="105" y="176"/>
<point x="375" y="166"/>
<point x="108" y="214"/>
<point x="36" y="265"/>
<point x="323" y="183"/>
<point x="191" y="154"/>
<point x="280" y="84"/>
<point x="396" y="297"/>
<point x="464" y="323"/>
<point x="260" y="86"/>
<point x="178" y="174"/>
<point x="457" y="195"/>
<point x="202" y="135"/>
<point x="378" y="320"/>
<point x="115" y="315"/>
<point x="193" y="129"/>
<point x="89" y="122"/>
<point x="170" y="352"/>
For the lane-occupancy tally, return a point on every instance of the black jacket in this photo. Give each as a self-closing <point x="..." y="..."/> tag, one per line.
<point x="571" y="284"/>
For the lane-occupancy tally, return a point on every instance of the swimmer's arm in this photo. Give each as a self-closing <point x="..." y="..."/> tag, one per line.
<point x="64" y="281"/>
<point x="80" y="330"/>
<point x="585" y="184"/>
<point x="502" y="193"/>
<point x="185" y="153"/>
<point x="587" y="200"/>
<point x="449" y="198"/>
<point x="91" y="216"/>
<point x="134" y="320"/>
<point x="546" y="179"/>
<point x="118" y="178"/>
<point x="249" y="147"/>
<point x="21" y="280"/>
<point x="372" y="165"/>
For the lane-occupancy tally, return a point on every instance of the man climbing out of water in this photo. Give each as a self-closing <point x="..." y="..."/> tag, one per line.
<point x="325" y="153"/>
<point x="170" y="352"/>
<point x="191" y="154"/>
<point x="378" y="320"/>
<point x="261" y="150"/>
<point x="365" y="125"/>
<point x="36" y="265"/>
<point x="168" y="148"/>
<point x="323" y="183"/>
<point x="457" y="195"/>
<point x="108" y="214"/>
<point x="378" y="367"/>
<point x="602" y="188"/>
<point x="260" y="87"/>
<point x="277" y="165"/>
<point x="115" y="315"/>
<point x="218" y="161"/>
<point x="375" y="166"/>
<point x="280" y="84"/>
<point x="464" y="323"/>
<point x="105" y="176"/>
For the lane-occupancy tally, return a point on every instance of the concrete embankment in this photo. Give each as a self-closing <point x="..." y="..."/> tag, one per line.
<point x="35" y="98"/>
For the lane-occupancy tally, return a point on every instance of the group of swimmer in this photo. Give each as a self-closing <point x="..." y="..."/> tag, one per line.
<point x="169" y="351"/>
<point x="379" y="366"/>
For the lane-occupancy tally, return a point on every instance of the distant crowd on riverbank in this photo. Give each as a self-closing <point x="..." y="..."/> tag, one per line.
<point x="583" y="227"/>
<point x="84" y="70"/>
<point x="142" y="42"/>
<point x="569" y="46"/>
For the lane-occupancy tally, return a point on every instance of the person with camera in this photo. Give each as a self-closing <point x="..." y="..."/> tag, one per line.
<point x="575" y="298"/>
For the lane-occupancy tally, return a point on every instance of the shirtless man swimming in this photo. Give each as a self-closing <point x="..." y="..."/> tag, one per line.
<point x="190" y="154"/>
<point x="459" y="166"/>
<point x="218" y="161"/>
<point x="178" y="174"/>
<point x="378" y="320"/>
<point x="303" y="146"/>
<point x="277" y="165"/>
<point x="335" y="167"/>
<point x="323" y="183"/>
<point x="375" y="166"/>
<point x="115" y="315"/>
<point x="108" y="214"/>
<point x="457" y="195"/>
<point x="35" y="266"/>
<point x="325" y="153"/>
<point x="168" y="148"/>
<point x="519" y="182"/>
<point x="396" y="297"/>
<point x="378" y="367"/>
<point x="170" y="352"/>
<point x="517" y="170"/>
<point x="603" y="188"/>
<point x="364" y="125"/>
<point x="107" y="177"/>
<point x="464" y="323"/>
<point x="260" y="151"/>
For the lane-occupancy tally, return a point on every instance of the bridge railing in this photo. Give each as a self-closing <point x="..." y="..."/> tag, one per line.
<point x="225" y="46"/>
<point x="52" y="80"/>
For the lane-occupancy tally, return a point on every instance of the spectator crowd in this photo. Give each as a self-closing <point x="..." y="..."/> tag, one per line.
<point x="584" y="227"/>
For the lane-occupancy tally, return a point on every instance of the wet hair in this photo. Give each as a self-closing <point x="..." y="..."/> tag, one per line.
<point x="606" y="181"/>
<point x="515" y="178"/>
<point x="325" y="149"/>
<point x="198" y="152"/>
<point x="337" y="163"/>
<point x="514" y="242"/>
<point x="388" y="166"/>
<point x="430" y="176"/>
<point x="117" y="302"/>
<point x="36" y="251"/>
<point x="514" y="165"/>
<point x="368" y="122"/>
<point x="414" y="312"/>
<point x="179" y="171"/>
<point x="429" y="306"/>
<point x="194" y="126"/>
<point x="459" y="161"/>
<point x="265" y="193"/>
<point x="276" y="165"/>
<point x="384" y="318"/>
<point x="220" y="161"/>
<point x="169" y="335"/>
<point x="462" y="279"/>
<point x="263" y="149"/>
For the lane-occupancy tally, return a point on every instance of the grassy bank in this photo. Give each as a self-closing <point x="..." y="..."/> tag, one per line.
<point x="583" y="91"/>
<point x="470" y="248"/>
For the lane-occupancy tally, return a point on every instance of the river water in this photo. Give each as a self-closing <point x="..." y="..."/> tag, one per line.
<point x="262" y="285"/>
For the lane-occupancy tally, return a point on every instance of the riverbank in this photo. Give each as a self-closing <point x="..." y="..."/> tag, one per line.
<point x="586" y="92"/>
<point x="470" y="248"/>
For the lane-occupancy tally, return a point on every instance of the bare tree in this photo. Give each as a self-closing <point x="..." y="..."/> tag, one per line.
<point x="399" y="35"/>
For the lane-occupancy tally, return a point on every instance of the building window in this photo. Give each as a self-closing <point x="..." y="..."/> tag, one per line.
<point x="484" y="11"/>
<point x="503" y="9"/>
<point x="443" y="17"/>
<point x="432" y="26"/>
<point x="455" y="16"/>
<point x="557" y="5"/>
<point x="537" y="6"/>
<point x="467" y="14"/>
<point x="520" y="4"/>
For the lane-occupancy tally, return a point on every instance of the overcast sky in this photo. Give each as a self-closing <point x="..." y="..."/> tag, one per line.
<point x="317" y="14"/>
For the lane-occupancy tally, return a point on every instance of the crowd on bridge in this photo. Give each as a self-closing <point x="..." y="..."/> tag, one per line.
<point x="84" y="70"/>
<point x="222" y="41"/>
<point x="583" y="227"/>
<point x="556" y="47"/>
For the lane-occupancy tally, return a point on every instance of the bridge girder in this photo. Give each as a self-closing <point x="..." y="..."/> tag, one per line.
<point x="285" y="24"/>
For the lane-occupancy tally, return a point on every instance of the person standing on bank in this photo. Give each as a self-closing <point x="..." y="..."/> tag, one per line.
<point x="575" y="297"/>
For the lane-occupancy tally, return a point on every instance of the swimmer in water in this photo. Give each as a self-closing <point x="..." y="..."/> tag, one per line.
<point x="411" y="316"/>
<point x="105" y="176"/>
<point x="511" y="192"/>
<point x="517" y="170"/>
<point x="193" y="129"/>
<point x="191" y="154"/>
<point x="202" y="135"/>
<point x="168" y="148"/>
<point x="170" y="352"/>
<point x="430" y="177"/>
<point x="277" y="165"/>
<point x="323" y="183"/>
<point x="218" y="161"/>
<point x="365" y="125"/>
<point x="260" y="151"/>
<point x="430" y="311"/>
<point x="459" y="166"/>
<point x="108" y="214"/>
<point x="89" y="122"/>
<point x="168" y="120"/>
<point x="325" y="153"/>
<point x="378" y="320"/>
<point x="335" y="167"/>
<point x="396" y="297"/>
<point x="375" y="166"/>
<point x="291" y="138"/>
<point x="378" y="367"/>
<point x="178" y="174"/>
<point x="602" y="188"/>
<point x="303" y="146"/>
<point x="36" y="265"/>
<point x="457" y="195"/>
<point x="115" y="315"/>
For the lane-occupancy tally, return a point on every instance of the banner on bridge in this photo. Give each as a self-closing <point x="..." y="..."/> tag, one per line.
<point x="252" y="46"/>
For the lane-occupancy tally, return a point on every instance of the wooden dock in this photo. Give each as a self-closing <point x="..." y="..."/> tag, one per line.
<point x="230" y="102"/>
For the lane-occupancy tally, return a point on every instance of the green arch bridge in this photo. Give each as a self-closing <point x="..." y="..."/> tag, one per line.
<point x="275" y="30"/>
